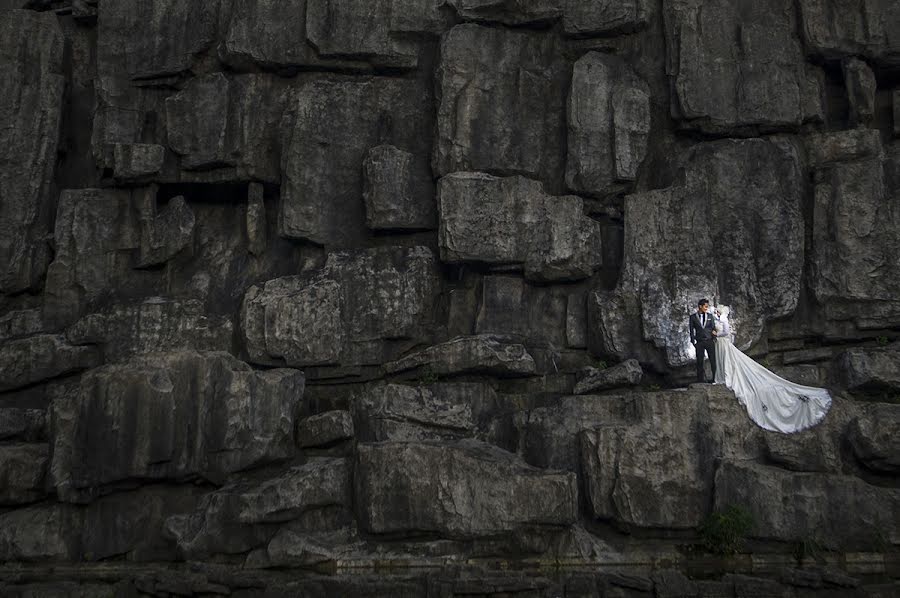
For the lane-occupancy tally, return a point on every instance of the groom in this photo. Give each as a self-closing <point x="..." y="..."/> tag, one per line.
<point x="703" y="336"/>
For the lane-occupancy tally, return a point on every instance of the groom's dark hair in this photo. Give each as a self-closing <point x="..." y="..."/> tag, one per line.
<point x="702" y="301"/>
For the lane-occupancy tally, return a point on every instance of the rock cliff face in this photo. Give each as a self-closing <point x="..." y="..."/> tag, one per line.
<point x="293" y="290"/>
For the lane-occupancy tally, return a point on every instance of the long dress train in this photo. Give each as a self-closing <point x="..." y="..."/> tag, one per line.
<point x="772" y="402"/>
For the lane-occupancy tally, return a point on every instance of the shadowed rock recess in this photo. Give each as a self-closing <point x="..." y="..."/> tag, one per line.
<point x="389" y="298"/>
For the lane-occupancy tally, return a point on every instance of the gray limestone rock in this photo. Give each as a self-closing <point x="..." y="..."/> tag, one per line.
<point x="737" y="67"/>
<point x="137" y="161"/>
<point x="605" y="17"/>
<point x="608" y="121"/>
<point x="165" y="232"/>
<point x="39" y="533"/>
<point x="36" y="358"/>
<point x="482" y="68"/>
<point x="343" y="313"/>
<point x="239" y="130"/>
<point x="676" y="435"/>
<point x="512" y="221"/>
<point x="627" y="373"/>
<point x="509" y="12"/>
<point x="322" y="178"/>
<point x="144" y="40"/>
<point x="860" y="82"/>
<point x="875" y="438"/>
<point x="398" y="191"/>
<point x="855" y="257"/>
<point x="96" y="232"/>
<point x="522" y="312"/>
<point x="868" y="369"/>
<point x="731" y="231"/>
<point x="835" y="29"/>
<point x="412" y="413"/>
<point x="187" y="414"/>
<point x="324" y="429"/>
<point x="465" y="489"/>
<point x="22" y="470"/>
<point x="272" y="34"/>
<point x="24" y="424"/>
<point x="153" y="325"/>
<point x="233" y="519"/>
<point x="31" y="106"/>
<point x="483" y="354"/>
<point x="837" y="511"/>
<point x="256" y="220"/>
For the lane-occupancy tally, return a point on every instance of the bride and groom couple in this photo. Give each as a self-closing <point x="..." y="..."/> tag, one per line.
<point x="772" y="402"/>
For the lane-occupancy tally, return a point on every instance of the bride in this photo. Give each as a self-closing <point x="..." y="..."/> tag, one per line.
<point x="772" y="402"/>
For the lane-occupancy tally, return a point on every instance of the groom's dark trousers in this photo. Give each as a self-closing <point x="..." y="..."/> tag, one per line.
<point x="708" y="347"/>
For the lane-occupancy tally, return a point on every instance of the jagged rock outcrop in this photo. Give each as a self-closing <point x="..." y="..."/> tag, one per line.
<point x="731" y="228"/>
<point x="344" y="313"/>
<point x="748" y="74"/>
<point x="186" y="414"/>
<point x="31" y="53"/>
<point x="511" y="221"/>
<point x="464" y="489"/>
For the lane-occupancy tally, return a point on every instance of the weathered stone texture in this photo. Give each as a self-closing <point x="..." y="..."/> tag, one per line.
<point x="738" y="65"/>
<point x="171" y="416"/>
<point x="608" y="121"/>
<point x="31" y="106"/>
<point x="512" y="221"/>
<point x="343" y="313"/>
<point x="462" y="490"/>
<point x="734" y="221"/>
<point x="482" y="68"/>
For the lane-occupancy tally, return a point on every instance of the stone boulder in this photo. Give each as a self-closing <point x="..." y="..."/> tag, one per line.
<point x="481" y="354"/>
<point x="324" y="429"/>
<point x="735" y="67"/>
<point x="532" y="314"/>
<point x="861" y="85"/>
<point x="133" y="162"/>
<point x="627" y="373"/>
<point x="345" y="312"/>
<point x="31" y="65"/>
<point x="239" y="129"/>
<point x="482" y="68"/>
<point x="29" y="425"/>
<point x="509" y="12"/>
<point x="187" y="414"/>
<point x="875" y="438"/>
<point x="608" y="121"/>
<point x="512" y="221"/>
<point x="164" y="232"/>
<point x="353" y="28"/>
<point x="22" y="470"/>
<point x="584" y="18"/>
<point x="836" y="511"/>
<point x="412" y="413"/>
<point x="398" y="191"/>
<point x="855" y="257"/>
<point x="734" y="220"/>
<point x="39" y="533"/>
<point x="155" y="324"/>
<point x="678" y="436"/>
<point x="272" y="34"/>
<point x="834" y="29"/>
<point x="863" y="370"/>
<point x="37" y="358"/>
<point x="322" y="176"/>
<point x="465" y="489"/>
<point x="145" y="40"/>
<point x="242" y="514"/>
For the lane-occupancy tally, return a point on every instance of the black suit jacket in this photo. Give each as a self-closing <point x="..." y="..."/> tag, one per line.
<point x="700" y="333"/>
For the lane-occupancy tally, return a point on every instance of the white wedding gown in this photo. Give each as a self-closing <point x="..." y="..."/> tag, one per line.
<point x="772" y="402"/>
